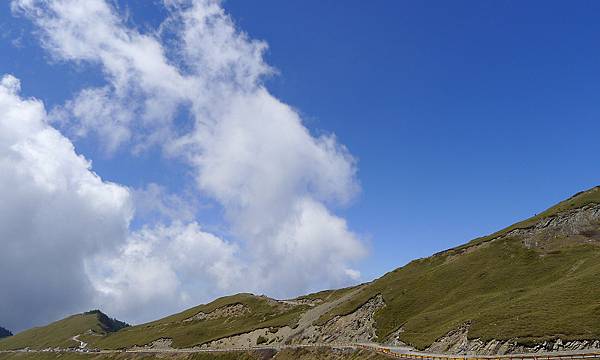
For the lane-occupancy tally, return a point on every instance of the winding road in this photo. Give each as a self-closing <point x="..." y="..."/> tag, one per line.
<point x="390" y="351"/>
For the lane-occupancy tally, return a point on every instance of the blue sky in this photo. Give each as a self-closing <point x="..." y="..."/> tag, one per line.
<point x="463" y="117"/>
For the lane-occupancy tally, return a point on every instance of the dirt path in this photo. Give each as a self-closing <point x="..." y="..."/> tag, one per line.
<point x="82" y="345"/>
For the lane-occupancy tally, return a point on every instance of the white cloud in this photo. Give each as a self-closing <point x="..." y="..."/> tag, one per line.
<point x="311" y="248"/>
<point x="154" y="204"/>
<point x="163" y="268"/>
<point x="142" y="85"/>
<point x="258" y="160"/>
<point x="98" y="111"/>
<point x="54" y="211"/>
<point x="65" y="232"/>
<point x="248" y="151"/>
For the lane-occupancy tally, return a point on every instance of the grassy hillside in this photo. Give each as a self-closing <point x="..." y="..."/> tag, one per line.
<point x="504" y="289"/>
<point x="326" y="295"/>
<point x="59" y="334"/>
<point x="261" y="313"/>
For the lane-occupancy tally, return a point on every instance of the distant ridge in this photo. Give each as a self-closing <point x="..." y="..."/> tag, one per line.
<point x="60" y="334"/>
<point x="108" y="324"/>
<point x="4" y="332"/>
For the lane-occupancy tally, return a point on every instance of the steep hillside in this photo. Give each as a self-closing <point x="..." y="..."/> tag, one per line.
<point x="4" y="333"/>
<point x="534" y="281"/>
<point x="60" y="333"/>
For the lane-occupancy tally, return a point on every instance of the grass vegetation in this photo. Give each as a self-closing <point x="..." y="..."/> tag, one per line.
<point x="327" y="295"/>
<point x="505" y="290"/>
<point x="59" y="333"/>
<point x="264" y="313"/>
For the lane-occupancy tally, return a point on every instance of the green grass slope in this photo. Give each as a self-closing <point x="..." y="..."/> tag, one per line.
<point x="326" y="295"/>
<point x="262" y="313"/>
<point x="503" y="289"/>
<point x="59" y="333"/>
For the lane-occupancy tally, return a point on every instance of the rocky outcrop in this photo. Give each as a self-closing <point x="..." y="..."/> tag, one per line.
<point x="266" y="336"/>
<point x="575" y="226"/>
<point x="394" y="338"/>
<point x="458" y="342"/>
<point x="358" y="326"/>
<point x="163" y="344"/>
<point x="569" y="227"/>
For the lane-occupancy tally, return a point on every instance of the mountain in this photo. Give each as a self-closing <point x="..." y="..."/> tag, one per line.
<point x="222" y="318"/>
<point x="4" y="333"/>
<point x="535" y="281"/>
<point x="64" y="333"/>
<point x="533" y="286"/>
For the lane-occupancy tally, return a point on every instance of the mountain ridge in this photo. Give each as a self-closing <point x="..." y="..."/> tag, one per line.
<point x="4" y="332"/>
<point x="62" y="333"/>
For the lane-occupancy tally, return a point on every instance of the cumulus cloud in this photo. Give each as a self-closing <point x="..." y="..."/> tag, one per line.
<point x="65" y="232"/>
<point x="163" y="267"/>
<point x="54" y="211"/>
<point x="248" y="151"/>
<point x="310" y="248"/>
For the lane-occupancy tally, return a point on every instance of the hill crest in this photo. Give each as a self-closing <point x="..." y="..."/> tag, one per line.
<point x="61" y="333"/>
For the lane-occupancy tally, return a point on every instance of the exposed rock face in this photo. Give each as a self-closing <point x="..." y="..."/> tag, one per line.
<point x="160" y="344"/>
<point x="577" y="226"/>
<point x="267" y="336"/>
<point x="229" y="311"/>
<point x="358" y="326"/>
<point x="457" y="342"/>
<point x="394" y="339"/>
<point x="574" y="226"/>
